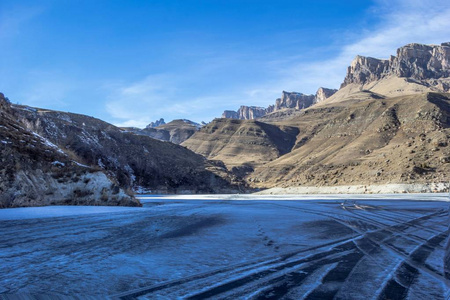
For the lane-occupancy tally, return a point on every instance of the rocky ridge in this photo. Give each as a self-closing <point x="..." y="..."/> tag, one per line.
<point x="288" y="100"/>
<point x="425" y="63"/>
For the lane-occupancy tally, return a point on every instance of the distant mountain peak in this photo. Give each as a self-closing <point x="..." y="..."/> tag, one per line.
<point x="156" y="123"/>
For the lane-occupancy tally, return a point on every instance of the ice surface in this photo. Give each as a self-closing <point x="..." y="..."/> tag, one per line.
<point x="25" y="213"/>
<point x="180" y="246"/>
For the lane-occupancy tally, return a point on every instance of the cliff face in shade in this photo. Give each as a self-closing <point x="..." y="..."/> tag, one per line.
<point x="426" y="63"/>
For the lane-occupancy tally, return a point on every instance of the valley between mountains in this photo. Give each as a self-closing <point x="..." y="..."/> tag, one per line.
<point x="389" y="123"/>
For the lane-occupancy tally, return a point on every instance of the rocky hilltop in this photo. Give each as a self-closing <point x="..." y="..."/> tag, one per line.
<point x="425" y="63"/>
<point x="288" y="100"/>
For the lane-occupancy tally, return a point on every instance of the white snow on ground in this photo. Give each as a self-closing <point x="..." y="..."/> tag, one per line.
<point x="81" y="165"/>
<point x="416" y="197"/>
<point x="362" y="189"/>
<point x="141" y="190"/>
<point x="47" y="142"/>
<point x="58" y="163"/>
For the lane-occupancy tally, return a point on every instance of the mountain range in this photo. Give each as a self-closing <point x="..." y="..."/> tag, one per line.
<point x="388" y="123"/>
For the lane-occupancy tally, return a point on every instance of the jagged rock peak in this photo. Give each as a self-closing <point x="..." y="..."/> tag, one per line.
<point x="418" y="61"/>
<point x="156" y="123"/>
<point x="323" y="94"/>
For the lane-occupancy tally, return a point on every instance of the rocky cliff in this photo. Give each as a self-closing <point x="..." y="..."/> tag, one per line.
<point x="323" y="94"/>
<point x="425" y="63"/>
<point x="288" y="100"/>
<point x="245" y="113"/>
<point x="293" y="100"/>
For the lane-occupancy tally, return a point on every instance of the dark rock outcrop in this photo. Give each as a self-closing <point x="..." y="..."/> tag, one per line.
<point x="416" y="61"/>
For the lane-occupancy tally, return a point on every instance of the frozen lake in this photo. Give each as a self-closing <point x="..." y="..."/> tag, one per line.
<point x="342" y="247"/>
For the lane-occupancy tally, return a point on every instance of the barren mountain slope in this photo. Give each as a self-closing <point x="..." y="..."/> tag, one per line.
<point x="401" y="139"/>
<point x="136" y="161"/>
<point x="36" y="172"/>
<point x="239" y="142"/>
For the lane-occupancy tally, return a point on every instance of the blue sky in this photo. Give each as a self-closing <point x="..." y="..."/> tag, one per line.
<point x="132" y="62"/>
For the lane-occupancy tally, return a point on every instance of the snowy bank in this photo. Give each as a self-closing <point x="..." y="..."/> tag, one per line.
<point x="361" y="189"/>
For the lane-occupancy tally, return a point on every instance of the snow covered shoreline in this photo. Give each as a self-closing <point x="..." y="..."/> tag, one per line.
<point x="295" y="197"/>
<point x="362" y="189"/>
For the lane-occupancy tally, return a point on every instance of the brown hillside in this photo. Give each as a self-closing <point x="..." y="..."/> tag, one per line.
<point x="239" y="142"/>
<point x="401" y="139"/>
